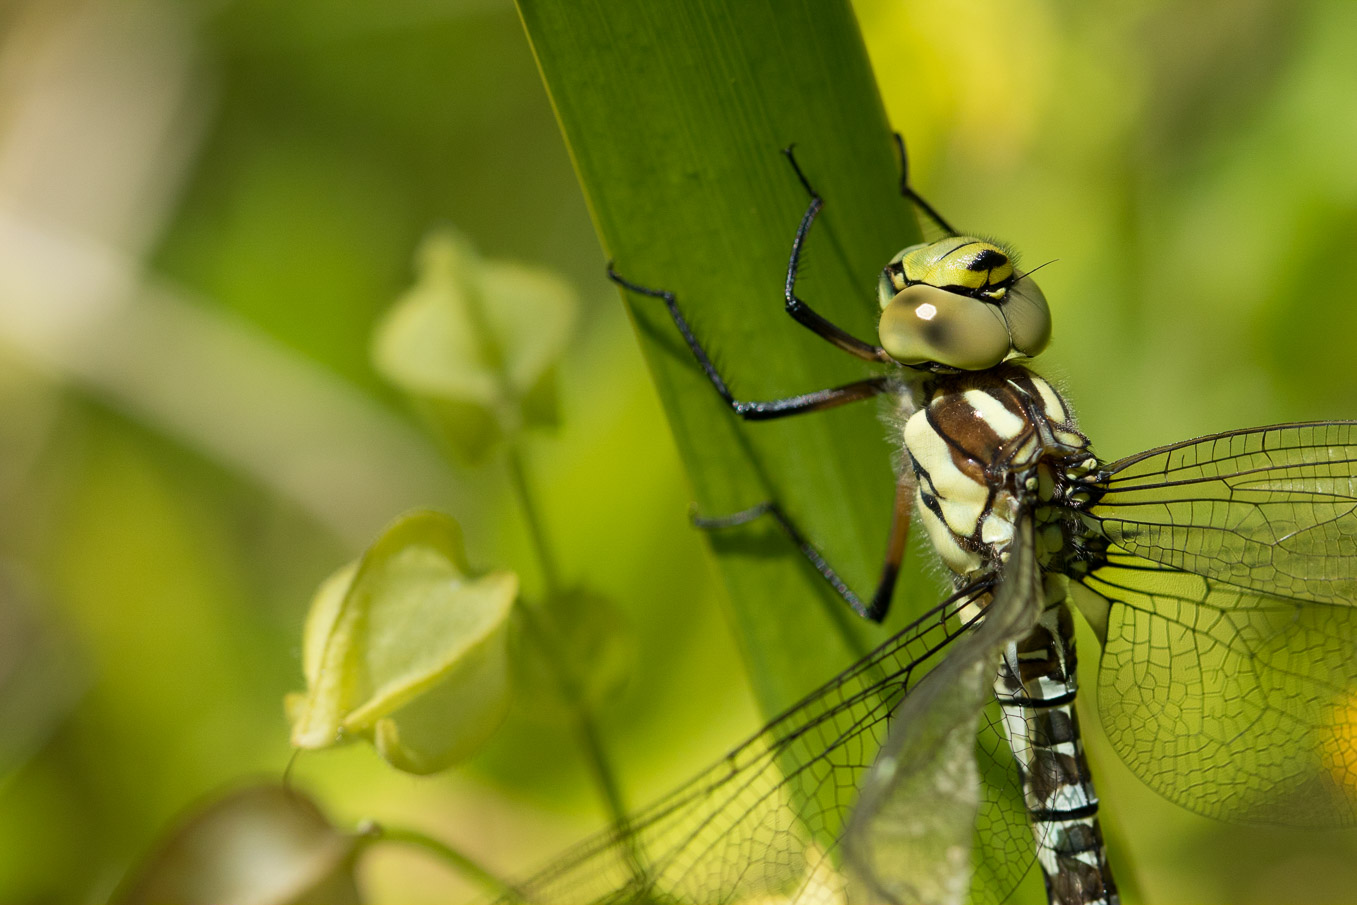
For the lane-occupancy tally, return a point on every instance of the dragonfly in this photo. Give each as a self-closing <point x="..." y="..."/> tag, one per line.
<point x="1218" y="573"/>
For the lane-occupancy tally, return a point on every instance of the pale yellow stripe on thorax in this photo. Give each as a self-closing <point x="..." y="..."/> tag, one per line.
<point x="1050" y="400"/>
<point x="1005" y="424"/>
<point x="959" y="498"/>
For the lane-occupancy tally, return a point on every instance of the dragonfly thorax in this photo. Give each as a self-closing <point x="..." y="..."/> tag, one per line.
<point x="983" y="447"/>
<point x="959" y="304"/>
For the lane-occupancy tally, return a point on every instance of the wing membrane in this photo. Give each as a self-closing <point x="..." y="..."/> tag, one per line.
<point x="1270" y="509"/>
<point x="765" y="822"/>
<point x="910" y="837"/>
<point x="1233" y="703"/>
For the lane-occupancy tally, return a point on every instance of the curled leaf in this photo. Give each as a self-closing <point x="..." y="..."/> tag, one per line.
<point x="474" y="342"/>
<point x="407" y="648"/>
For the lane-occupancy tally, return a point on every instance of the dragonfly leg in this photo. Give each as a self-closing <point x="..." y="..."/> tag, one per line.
<point x="761" y="410"/>
<point x="909" y="193"/>
<point x="880" y="602"/>
<point x="799" y="310"/>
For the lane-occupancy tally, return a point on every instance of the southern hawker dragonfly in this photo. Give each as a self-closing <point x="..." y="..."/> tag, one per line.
<point x="1219" y="573"/>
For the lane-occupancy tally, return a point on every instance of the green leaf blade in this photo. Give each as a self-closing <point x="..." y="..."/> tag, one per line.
<point x="675" y="114"/>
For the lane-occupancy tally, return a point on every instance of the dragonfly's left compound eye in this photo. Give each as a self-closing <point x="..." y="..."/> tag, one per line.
<point x="960" y="304"/>
<point x="924" y="324"/>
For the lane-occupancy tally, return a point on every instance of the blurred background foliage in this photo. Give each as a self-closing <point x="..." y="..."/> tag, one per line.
<point x="206" y="207"/>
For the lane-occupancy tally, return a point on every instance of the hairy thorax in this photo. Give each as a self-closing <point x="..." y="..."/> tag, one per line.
<point x="984" y="444"/>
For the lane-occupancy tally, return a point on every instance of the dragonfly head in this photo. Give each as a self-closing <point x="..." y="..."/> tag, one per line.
<point x="960" y="304"/>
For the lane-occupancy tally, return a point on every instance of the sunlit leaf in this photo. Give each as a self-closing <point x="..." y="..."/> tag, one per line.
<point x="690" y="194"/>
<point x="262" y="844"/>
<point x="407" y="647"/>
<point x="474" y="342"/>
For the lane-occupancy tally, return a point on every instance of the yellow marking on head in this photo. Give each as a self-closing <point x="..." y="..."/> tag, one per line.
<point x="957" y="276"/>
<point x="959" y="262"/>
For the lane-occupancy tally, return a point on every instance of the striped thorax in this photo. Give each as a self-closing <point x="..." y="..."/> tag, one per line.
<point x="981" y="442"/>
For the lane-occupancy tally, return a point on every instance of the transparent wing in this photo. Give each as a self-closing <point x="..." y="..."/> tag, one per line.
<point x="765" y="822"/>
<point x="1232" y="703"/>
<point x="1229" y="676"/>
<point x="1002" y="852"/>
<point x="1272" y="509"/>
<point x="910" y="837"/>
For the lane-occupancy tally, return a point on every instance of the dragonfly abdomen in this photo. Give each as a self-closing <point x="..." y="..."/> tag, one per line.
<point x="1036" y="688"/>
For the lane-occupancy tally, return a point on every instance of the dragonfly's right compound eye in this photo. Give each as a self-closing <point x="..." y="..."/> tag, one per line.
<point x="960" y="304"/>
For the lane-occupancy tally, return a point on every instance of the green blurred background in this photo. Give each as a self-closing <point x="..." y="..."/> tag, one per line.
<point x="204" y="208"/>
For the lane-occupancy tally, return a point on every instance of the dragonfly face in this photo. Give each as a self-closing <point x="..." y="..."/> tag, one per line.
<point x="959" y="304"/>
<point x="1219" y="573"/>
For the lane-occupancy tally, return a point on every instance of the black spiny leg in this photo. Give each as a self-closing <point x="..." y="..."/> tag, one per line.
<point x="765" y="410"/>
<point x="914" y="196"/>
<point x="895" y="549"/>
<point x="798" y="309"/>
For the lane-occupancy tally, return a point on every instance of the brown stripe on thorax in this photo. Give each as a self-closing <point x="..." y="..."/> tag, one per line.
<point x="971" y="438"/>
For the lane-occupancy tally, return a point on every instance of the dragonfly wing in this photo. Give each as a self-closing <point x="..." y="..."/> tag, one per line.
<point x="1229" y="677"/>
<point x="1232" y="703"/>
<point x="1002" y="853"/>
<point x="765" y="821"/>
<point x="910" y="838"/>
<point x="1271" y="509"/>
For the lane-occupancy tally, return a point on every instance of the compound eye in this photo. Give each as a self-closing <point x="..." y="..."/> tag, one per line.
<point x="1028" y="317"/>
<point x="924" y="324"/>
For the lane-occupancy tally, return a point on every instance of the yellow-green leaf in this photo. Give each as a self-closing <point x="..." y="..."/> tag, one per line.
<point x="451" y="719"/>
<point x="407" y="648"/>
<point x="473" y="344"/>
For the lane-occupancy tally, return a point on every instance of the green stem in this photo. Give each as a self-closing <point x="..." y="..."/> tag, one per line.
<point x="595" y="755"/>
<point x="518" y="477"/>
<point x="605" y="778"/>
<point x="455" y="859"/>
<point x="599" y="764"/>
